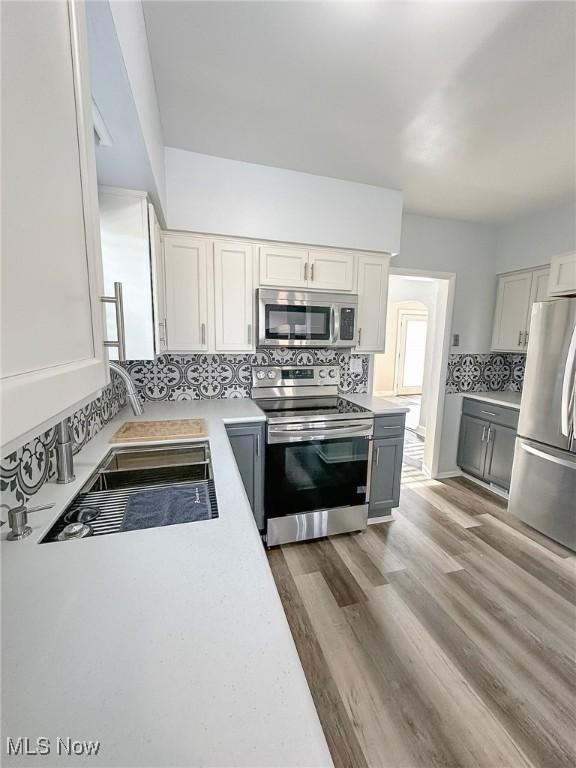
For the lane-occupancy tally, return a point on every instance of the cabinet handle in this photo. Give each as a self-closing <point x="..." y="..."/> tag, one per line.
<point x="249" y="334"/>
<point x="165" y="332"/>
<point x="490" y="433"/>
<point x="359" y="336"/>
<point x="312" y="272"/>
<point x="203" y="329"/>
<point x="526" y="334"/>
<point x="306" y="271"/>
<point x="519" y="338"/>
<point x="120" y="343"/>
<point x="488" y="413"/>
<point x="483" y="434"/>
<point x="377" y="455"/>
<point x="258" y="445"/>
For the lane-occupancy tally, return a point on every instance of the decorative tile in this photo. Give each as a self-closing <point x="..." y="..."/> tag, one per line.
<point x="485" y="372"/>
<point x="208" y="377"/>
<point x="25" y="471"/>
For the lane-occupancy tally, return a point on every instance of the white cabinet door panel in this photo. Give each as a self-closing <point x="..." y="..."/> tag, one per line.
<point x="186" y="261"/>
<point x="158" y="281"/>
<point x="331" y="270"/>
<point x="512" y="306"/>
<point x="52" y="351"/>
<point x="233" y="296"/>
<point x="372" y="302"/>
<point x="540" y="282"/>
<point x="283" y="267"/>
<point x="563" y="275"/>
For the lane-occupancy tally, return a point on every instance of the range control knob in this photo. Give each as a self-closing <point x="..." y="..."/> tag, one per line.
<point x="271" y="374"/>
<point x="333" y="373"/>
<point x="260" y="375"/>
<point x="322" y="373"/>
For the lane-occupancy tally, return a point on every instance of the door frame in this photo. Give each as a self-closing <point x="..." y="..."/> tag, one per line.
<point x="437" y="394"/>
<point x="403" y="315"/>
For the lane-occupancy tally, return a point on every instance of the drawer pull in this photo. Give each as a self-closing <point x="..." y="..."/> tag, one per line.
<point x="488" y="413"/>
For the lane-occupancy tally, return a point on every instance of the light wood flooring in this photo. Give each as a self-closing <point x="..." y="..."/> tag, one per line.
<point x="444" y="638"/>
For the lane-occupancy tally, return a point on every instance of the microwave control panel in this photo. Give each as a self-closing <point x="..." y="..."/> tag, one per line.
<point x="347" y="316"/>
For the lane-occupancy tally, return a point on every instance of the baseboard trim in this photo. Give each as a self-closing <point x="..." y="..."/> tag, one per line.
<point x="381" y="519"/>
<point x="449" y="473"/>
<point x="487" y="486"/>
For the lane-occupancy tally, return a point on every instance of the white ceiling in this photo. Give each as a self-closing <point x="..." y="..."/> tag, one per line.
<point x="468" y="107"/>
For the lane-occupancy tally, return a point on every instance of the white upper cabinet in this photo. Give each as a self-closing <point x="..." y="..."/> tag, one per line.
<point x="283" y="267"/>
<point x="315" y="269"/>
<point x="563" y="275"/>
<point x="124" y="230"/>
<point x="331" y="270"/>
<point x="517" y="291"/>
<point x="52" y="342"/>
<point x="372" y="301"/>
<point x="233" y="296"/>
<point x="187" y="288"/>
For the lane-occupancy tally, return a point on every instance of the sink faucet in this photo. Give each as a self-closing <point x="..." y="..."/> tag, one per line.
<point x="131" y="393"/>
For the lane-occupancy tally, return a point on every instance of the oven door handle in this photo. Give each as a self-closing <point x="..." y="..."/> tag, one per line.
<point x="317" y="432"/>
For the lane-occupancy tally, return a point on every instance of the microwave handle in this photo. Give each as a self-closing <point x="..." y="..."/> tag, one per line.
<point x="332" y="324"/>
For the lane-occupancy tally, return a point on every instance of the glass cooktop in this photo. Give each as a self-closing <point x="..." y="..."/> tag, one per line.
<point x="307" y="407"/>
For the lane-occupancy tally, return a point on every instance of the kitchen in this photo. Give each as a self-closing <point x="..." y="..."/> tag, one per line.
<point x="209" y="555"/>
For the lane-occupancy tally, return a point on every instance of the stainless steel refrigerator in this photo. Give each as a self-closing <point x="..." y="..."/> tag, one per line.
<point x="543" y="490"/>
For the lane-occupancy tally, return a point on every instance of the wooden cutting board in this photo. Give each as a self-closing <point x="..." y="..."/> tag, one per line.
<point x="144" y="431"/>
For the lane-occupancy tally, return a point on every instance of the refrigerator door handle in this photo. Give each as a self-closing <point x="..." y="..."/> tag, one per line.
<point x="548" y="456"/>
<point x="567" y="388"/>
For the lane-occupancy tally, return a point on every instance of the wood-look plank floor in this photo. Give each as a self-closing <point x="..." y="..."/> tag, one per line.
<point x="444" y="638"/>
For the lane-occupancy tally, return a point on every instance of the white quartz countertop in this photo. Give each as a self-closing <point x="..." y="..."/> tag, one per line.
<point x="378" y="405"/>
<point x="169" y="646"/>
<point x="506" y="399"/>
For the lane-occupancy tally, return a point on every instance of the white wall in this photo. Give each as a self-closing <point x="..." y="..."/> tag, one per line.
<point x="467" y="249"/>
<point x="533" y="239"/>
<point x="131" y="30"/>
<point x="227" y="197"/>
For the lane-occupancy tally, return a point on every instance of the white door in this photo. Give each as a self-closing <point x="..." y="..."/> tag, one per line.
<point x="538" y="292"/>
<point x="233" y="296"/>
<point x="283" y="267"/>
<point x="411" y="352"/>
<point x="52" y="343"/>
<point x="158" y="281"/>
<point x="563" y="275"/>
<point x="186" y="265"/>
<point x="126" y="259"/>
<point x="331" y="270"/>
<point x="511" y="317"/>
<point x="372" y="302"/>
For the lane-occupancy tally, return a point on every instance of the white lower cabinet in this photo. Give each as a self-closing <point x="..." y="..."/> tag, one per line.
<point x="186" y="291"/>
<point x="563" y="275"/>
<point x="233" y="296"/>
<point x="52" y="355"/>
<point x="372" y="302"/>
<point x="516" y="293"/>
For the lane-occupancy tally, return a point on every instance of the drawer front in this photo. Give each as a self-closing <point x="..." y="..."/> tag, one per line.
<point x="389" y="426"/>
<point x="487" y="411"/>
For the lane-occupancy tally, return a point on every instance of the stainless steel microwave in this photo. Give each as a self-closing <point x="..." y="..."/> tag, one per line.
<point x="306" y="319"/>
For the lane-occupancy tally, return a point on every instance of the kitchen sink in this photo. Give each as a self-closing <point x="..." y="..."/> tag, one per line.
<point x="175" y="478"/>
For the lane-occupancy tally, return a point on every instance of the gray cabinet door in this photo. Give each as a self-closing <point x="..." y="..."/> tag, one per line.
<point x="499" y="455"/>
<point x="385" y="477"/>
<point x="247" y="441"/>
<point x="472" y="446"/>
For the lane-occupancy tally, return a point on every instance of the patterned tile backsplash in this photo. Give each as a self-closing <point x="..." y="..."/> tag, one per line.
<point x="24" y="472"/>
<point x="198" y="377"/>
<point x="493" y="372"/>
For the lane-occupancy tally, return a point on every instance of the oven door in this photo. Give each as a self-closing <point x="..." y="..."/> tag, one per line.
<point x="317" y="479"/>
<point x="298" y="320"/>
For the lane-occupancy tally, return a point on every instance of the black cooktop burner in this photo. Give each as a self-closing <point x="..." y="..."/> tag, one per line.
<point x="297" y="407"/>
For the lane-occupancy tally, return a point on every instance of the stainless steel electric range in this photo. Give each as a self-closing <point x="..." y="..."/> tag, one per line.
<point x="318" y="454"/>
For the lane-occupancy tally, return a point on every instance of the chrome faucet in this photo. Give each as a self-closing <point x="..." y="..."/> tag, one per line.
<point x="131" y="393"/>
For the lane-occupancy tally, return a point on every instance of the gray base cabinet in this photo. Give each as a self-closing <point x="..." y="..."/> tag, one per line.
<point x="486" y="443"/>
<point x="247" y="441"/>
<point x="386" y="468"/>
